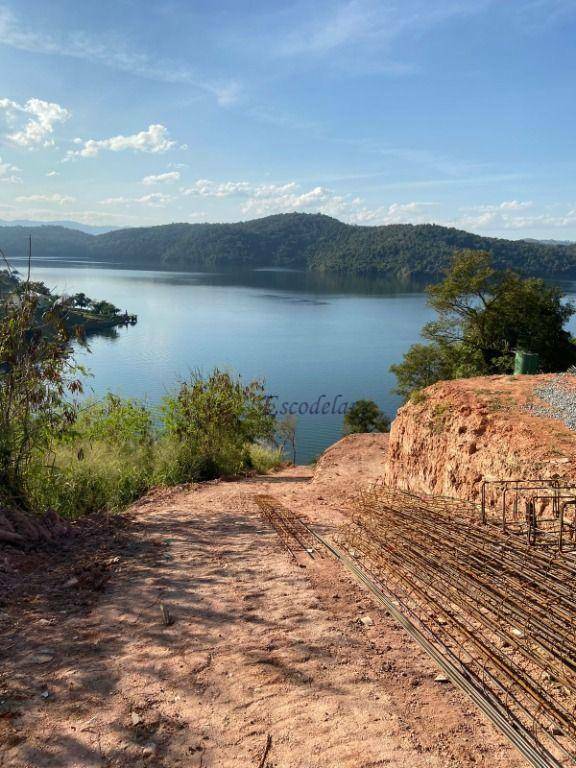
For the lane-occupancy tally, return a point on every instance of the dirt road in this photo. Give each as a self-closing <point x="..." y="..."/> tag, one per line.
<point x="265" y="663"/>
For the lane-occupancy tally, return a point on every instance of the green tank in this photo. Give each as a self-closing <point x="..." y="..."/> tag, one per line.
<point x="526" y="362"/>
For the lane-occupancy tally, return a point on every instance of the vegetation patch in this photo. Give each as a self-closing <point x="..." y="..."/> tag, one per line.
<point x="365" y="416"/>
<point x="484" y="316"/>
<point x="67" y="458"/>
<point x="418" y="397"/>
<point x="438" y="418"/>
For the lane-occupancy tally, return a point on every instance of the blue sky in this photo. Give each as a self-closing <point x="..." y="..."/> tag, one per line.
<point x="131" y="112"/>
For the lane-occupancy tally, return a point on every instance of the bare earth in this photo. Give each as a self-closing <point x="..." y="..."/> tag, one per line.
<point x="262" y="653"/>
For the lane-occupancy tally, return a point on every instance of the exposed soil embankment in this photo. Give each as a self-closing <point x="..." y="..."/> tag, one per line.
<point x="456" y="434"/>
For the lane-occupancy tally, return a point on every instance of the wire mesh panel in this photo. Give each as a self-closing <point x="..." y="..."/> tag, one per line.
<point x="503" y="609"/>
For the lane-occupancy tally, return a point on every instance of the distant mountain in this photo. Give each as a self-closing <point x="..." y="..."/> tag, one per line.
<point x="47" y="242"/>
<point x="88" y="228"/>
<point x="549" y="242"/>
<point x="299" y="240"/>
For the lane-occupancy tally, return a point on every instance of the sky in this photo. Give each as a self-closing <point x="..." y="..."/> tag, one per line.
<point x="132" y="112"/>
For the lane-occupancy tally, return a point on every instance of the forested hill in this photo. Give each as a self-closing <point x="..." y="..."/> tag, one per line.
<point x="311" y="241"/>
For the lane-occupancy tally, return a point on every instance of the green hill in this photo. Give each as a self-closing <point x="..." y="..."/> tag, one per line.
<point x="299" y="240"/>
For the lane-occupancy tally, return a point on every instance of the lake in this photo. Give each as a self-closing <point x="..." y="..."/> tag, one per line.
<point x="314" y="339"/>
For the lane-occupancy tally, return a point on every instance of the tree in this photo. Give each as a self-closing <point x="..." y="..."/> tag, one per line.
<point x="36" y="371"/>
<point x="286" y="435"/>
<point x="37" y="376"/>
<point x="81" y="300"/>
<point x="33" y="287"/>
<point x="105" y="308"/>
<point x="484" y="315"/>
<point x="365" y="416"/>
<point x="423" y="365"/>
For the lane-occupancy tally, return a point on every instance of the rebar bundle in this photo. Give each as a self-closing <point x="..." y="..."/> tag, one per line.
<point x="292" y="530"/>
<point x="503" y="611"/>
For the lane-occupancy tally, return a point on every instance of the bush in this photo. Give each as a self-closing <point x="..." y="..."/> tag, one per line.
<point x="214" y="420"/>
<point x="365" y="416"/>
<point x="114" y="450"/>
<point x="121" y="422"/>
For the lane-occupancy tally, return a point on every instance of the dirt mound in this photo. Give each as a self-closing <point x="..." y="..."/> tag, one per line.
<point x="354" y="461"/>
<point x="458" y="433"/>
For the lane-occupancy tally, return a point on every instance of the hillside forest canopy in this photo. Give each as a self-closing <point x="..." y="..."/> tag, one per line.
<point x="295" y="240"/>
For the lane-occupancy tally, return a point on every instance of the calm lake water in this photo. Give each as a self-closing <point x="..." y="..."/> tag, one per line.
<point x="309" y="336"/>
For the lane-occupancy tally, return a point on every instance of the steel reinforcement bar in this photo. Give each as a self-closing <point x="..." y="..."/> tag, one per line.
<point x="498" y="620"/>
<point x="507" y="611"/>
<point x="290" y="528"/>
<point x="492" y="707"/>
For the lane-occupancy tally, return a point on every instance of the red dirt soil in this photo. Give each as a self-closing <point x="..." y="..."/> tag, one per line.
<point x="261" y="652"/>
<point x="459" y="433"/>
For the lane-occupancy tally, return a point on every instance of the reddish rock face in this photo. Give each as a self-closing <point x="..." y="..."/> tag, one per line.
<point x="456" y="434"/>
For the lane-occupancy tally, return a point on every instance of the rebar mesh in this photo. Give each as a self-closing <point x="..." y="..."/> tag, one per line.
<point x="504" y="610"/>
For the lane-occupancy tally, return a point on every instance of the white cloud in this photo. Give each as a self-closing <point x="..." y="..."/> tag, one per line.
<point x="265" y="199"/>
<point x="161" y="178"/>
<point x="261" y="199"/>
<point x="12" y="213"/>
<point x="396" y="213"/>
<point x="156" y="199"/>
<point x="512" y="216"/>
<point x="153" y="140"/>
<point x="51" y="174"/>
<point x="39" y="127"/>
<point x="54" y="198"/>
<point x="207" y="188"/>
<point x="270" y="198"/>
<point x="344" y="24"/>
<point x="153" y="200"/>
<point x="115" y="200"/>
<point x="370" y="27"/>
<point x="515" y="205"/>
<point x="8" y="173"/>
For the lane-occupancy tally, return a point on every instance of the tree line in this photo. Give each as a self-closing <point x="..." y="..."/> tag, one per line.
<point x="298" y="240"/>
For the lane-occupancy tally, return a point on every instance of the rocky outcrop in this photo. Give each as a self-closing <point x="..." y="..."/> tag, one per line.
<point x="456" y="434"/>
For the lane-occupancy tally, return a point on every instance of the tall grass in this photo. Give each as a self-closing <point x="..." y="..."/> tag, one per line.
<point x="115" y="451"/>
<point x="87" y="477"/>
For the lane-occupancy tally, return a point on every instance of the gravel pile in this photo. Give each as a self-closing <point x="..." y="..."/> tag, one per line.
<point x="561" y="399"/>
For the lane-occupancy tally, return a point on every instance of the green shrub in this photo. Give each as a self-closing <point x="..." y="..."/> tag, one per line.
<point x="115" y="420"/>
<point x="114" y="450"/>
<point x="365" y="416"/>
<point x="215" y="420"/>
<point x="103" y="461"/>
